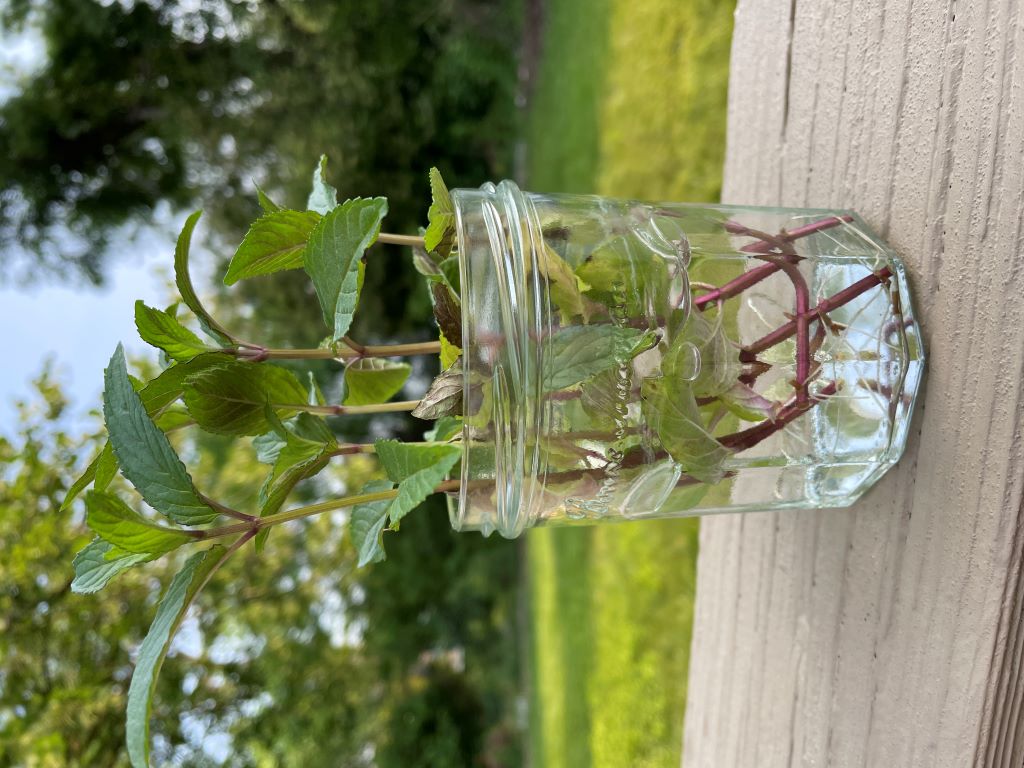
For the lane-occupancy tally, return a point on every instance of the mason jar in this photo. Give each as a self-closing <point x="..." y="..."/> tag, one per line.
<point x="626" y="360"/>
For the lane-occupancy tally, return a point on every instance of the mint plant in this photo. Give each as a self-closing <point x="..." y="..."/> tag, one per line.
<point x="602" y="337"/>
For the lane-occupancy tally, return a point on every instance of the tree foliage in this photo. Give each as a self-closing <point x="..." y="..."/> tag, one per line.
<point x="139" y="103"/>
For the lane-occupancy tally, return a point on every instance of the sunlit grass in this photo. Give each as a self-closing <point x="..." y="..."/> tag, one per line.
<point x="630" y="101"/>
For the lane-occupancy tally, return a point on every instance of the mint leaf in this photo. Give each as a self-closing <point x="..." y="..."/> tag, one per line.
<point x="273" y="243"/>
<point x="334" y="257"/>
<point x="268" y="447"/>
<point x="114" y="521"/>
<point x="162" y="330"/>
<point x="106" y="468"/>
<point x="576" y="353"/>
<point x="748" y="404"/>
<point x="303" y="451"/>
<point x="82" y="482"/>
<point x="366" y="526"/>
<point x="169" y="385"/>
<point x="451" y="271"/>
<point x="187" y="291"/>
<point x="143" y="452"/>
<point x="316" y="396"/>
<point x="564" y="286"/>
<point x="179" y="596"/>
<point x="620" y="275"/>
<point x="229" y="399"/>
<point x="440" y="234"/>
<point x="268" y="205"/>
<point x="670" y="408"/>
<point x="449" y="353"/>
<point x="719" y="361"/>
<point x="444" y="429"/>
<point x="372" y="380"/>
<point x="444" y="398"/>
<point x="156" y="396"/>
<point x="425" y="265"/>
<point x="295" y="461"/>
<point x="323" y="198"/>
<point x="417" y="469"/>
<point x="98" y="563"/>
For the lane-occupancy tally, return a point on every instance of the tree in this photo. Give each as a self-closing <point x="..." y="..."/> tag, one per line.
<point x="144" y="103"/>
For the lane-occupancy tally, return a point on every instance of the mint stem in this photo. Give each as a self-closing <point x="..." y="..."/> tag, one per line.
<point x="786" y="262"/>
<point x="411" y="241"/>
<point x="351" y="410"/>
<point x="748" y="438"/>
<point x="748" y="353"/>
<point x="257" y="353"/>
<point x="756" y="275"/>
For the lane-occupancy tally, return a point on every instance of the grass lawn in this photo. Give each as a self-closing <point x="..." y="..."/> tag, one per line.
<point x="629" y="101"/>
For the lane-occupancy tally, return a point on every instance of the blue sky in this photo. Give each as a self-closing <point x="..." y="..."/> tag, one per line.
<point x="76" y="325"/>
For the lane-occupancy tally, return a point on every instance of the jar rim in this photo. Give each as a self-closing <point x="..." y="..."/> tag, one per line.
<point x="513" y="237"/>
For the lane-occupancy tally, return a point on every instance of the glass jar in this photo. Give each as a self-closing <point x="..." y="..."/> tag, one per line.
<point x="625" y="360"/>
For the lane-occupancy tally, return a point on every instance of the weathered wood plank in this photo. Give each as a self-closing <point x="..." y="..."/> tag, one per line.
<point x="890" y="634"/>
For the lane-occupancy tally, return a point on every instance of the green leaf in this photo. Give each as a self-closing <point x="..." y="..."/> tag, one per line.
<point x="316" y="396"/>
<point x="367" y="522"/>
<point x="425" y="265"/>
<point x="173" y="417"/>
<point x="372" y="380"/>
<point x="268" y="205"/>
<point x="748" y="404"/>
<point x="274" y="242"/>
<point x="444" y="398"/>
<point x="169" y="613"/>
<point x="143" y="452"/>
<point x="620" y="275"/>
<point x="83" y="481"/>
<point x="576" y="353"/>
<point x="294" y="462"/>
<point x="416" y="469"/>
<point x="114" y="521"/>
<point x="268" y="447"/>
<point x="169" y="385"/>
<point x="312" y="427"/>
<point x="450" y="269"/>
<point x="156" y="396"/>
<point x="163" y="331"/>
<point x="565" y="288"/>
<point x="229" y="399"/>
<point x="323" y="198"/>
<point x="671" y="410"/>
<point x="449" y="353"/>
<point x="185" y="288"/>
<point x="334" y="257"/>
<point x="106" y="468"/>
<point x="99" y="562"/>
<point x="444" y="429"/>
<point x="719" y="361"/>
<point x="440" y="232"/>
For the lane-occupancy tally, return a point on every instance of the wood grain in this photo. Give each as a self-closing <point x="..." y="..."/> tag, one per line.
<point x="890" y="634"/>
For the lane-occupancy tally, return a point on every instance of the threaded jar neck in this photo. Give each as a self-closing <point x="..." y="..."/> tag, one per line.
<point x="505" y="311"/>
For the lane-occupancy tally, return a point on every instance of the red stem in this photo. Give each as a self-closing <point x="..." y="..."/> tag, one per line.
<point x="756" y="275"/>
<point x="786" y="261"/>
<point x="748" y="438"/>
<point x="833" y="302"/>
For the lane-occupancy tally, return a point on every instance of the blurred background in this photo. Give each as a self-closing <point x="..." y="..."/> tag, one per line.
<point x="120" y="117"/>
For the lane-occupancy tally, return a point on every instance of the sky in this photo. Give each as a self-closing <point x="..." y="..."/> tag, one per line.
<point x="76" y="325"/>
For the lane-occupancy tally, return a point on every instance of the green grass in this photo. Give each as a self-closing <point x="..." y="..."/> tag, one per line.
<point x="630" y="101"/>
